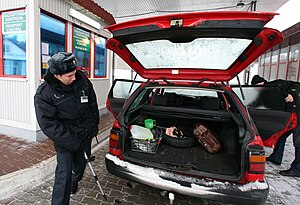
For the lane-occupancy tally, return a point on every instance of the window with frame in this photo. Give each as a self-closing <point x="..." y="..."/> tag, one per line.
<point x="262" y="97"/>
<point x="274" y="65"/>
<point x="283" y="55"/>
<point x="100" y="57"/>
<point x="267" y="66"/>
<point x="274" y="57"/>
<point x="82" y="49"/>
<point x="14" y="43"/>
<point x="53" y="39"/>
<point x="282" y="63"/>
<point x="267" y="58"/>
<point x="293" y="63"/>
<point x="294" y="52"/>
<point x="262" y="60"/>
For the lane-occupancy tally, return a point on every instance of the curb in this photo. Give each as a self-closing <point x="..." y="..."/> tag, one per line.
<point x="18" y="181"/>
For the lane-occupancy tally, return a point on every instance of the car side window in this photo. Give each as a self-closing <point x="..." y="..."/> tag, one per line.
<point x="140" y="99"/>
<point x="263" y="97"/>
<point x="124" y="89"/>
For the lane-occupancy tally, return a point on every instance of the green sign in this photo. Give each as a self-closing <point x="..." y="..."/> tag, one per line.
<point x="81" y="40"/>
<point x="13" y="21"/>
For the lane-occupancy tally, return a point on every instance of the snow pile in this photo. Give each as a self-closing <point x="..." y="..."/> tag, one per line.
<point x="133" y="168"/>
<point x="254" y="186"/>
<point x="198" y="186"/>
<point x="153" y="177"/>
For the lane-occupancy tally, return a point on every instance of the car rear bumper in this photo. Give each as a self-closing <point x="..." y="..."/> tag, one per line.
<point x="251" y="193"/>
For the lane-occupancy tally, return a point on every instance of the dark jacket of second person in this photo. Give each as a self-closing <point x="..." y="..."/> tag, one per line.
<point x="287" y="87"/>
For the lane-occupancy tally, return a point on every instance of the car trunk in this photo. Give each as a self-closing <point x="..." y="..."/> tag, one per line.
<point x="196" y="160"/>
<point x="182" y="50"/>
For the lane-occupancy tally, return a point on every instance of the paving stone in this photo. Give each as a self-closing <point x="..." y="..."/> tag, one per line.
<point x="122" y="201"/>
<point x="17" y="202"/>
<point x="283" y="190"/>
<point x="43" y="202"/>
<point x="6" y="201"/>
<point x="31" y="198"/>
<point x="89" y="200"/>
<point x="114" y="186"/>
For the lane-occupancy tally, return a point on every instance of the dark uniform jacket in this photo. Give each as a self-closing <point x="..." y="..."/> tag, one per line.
<point x="285" y="85"/>
<point x="67" y="114"/>
<point x="293" y="88"/>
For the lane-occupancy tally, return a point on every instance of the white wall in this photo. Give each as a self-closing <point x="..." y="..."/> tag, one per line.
<point x="16" y="98"/>
<point x="11" y="4"/>
<point x="14" y="102"/>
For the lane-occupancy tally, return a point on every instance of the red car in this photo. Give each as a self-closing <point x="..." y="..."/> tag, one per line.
<point x="187" y="61"/>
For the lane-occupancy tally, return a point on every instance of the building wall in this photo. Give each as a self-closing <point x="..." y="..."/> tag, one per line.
<point x="283" y="60"/>
<point x="17" y="114"/>
<point x="14" y="102"/>
<point x="12" y="4"/>
<point x="281" y="63"/>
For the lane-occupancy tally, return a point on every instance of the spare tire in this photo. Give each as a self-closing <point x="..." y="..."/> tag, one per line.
<point x="188" y="139"/>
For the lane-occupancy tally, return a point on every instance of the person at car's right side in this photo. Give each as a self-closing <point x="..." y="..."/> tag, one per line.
<point x="277" y="155"/>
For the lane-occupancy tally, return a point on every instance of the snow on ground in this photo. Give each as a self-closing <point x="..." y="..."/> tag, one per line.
<point x="283" y="190"/>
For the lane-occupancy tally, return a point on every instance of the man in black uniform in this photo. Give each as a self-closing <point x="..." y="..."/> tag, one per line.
<point x="289" y="88"/>
<point x="67" y="112"/>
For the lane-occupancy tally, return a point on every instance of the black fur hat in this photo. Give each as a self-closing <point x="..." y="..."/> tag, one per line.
<point x="257" y="79"/>
<point x="61" y="63"/>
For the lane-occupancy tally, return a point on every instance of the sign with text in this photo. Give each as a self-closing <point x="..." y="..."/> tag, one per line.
<point x="81" y="40"/>
<point x="13" y="22"/>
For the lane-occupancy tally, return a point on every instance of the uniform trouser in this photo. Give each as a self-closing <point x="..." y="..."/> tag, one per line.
<point x="278" y="150"/>
<point x="69" y="170"/>
<point x="295" y="166"/>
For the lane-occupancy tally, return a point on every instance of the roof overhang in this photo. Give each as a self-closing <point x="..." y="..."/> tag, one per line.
<point x="97" y="10"/>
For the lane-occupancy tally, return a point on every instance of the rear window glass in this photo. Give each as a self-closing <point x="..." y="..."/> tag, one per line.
<point x="201" y="53"/>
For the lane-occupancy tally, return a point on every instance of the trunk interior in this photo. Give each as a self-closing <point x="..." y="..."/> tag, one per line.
<point x="193" y="159"/>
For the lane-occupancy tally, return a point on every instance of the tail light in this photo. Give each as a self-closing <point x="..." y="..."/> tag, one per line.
<point x="115" y="146"/>
<point x="256" y="163"/>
